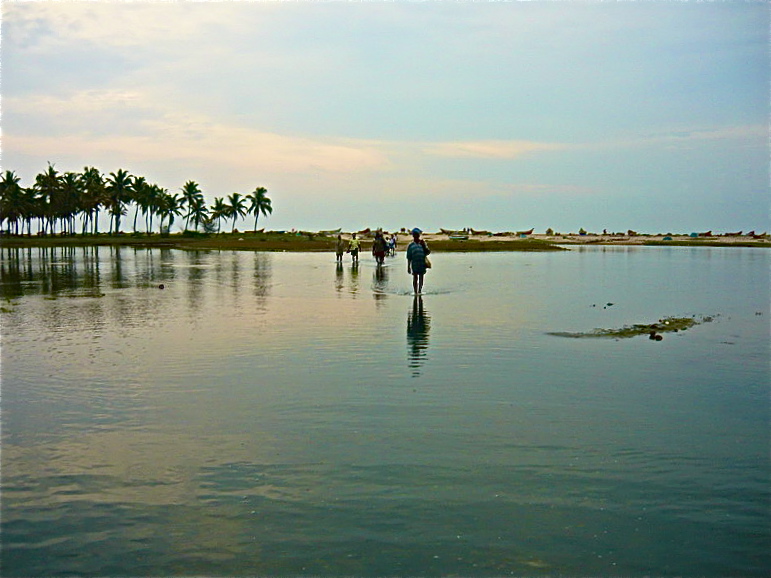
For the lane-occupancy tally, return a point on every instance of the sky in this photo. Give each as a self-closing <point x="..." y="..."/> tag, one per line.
<point x="646" y="115"/>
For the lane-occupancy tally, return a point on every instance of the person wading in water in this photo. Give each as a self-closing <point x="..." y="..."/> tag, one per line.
<point x="417" y="251"/>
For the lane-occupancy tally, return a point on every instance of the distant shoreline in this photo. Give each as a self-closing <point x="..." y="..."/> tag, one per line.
<point x="311" y="241"/>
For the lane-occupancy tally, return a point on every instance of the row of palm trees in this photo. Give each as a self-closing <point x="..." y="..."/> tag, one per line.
<point x="56" y="201"/>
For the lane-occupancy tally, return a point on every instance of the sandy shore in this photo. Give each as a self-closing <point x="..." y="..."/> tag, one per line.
<point x="315" y="241"/>
<point x="616" y="239"/>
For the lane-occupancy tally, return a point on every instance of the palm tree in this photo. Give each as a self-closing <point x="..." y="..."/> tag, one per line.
<point x="197" y="212"/>
<point x="118" y="190"/>
<point x="69" y="201"/>
<point x="191" y="197"/>
<point x="93" y="196"/>
<point x="169" y="206"/>
<point x="47" y="185"/>
<point x="259" y="203"/>
<point x="31" y="207"/>
<point x="219" y="211"/>
<point x="138" y="192"/>
<point x="11" y="199"/>
<point x="236" y="207"/>
<point x="154" y="198"/>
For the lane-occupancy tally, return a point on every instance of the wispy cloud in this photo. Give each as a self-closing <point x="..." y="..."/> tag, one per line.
<point x="201" y="143"/>
<point x="683" y="138"/>
<point x="491" y="149"/>
<point x="75" y="126"/>
<point x="41" y="26"/>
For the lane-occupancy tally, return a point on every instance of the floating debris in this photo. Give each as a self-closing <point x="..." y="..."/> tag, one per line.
<point x="652" y="330"/>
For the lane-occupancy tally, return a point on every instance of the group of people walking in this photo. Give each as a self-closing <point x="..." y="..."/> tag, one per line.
<point x="417" y="253"/>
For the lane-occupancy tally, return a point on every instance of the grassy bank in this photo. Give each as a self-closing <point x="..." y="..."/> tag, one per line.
<point x="306" y="241"/>
<point x="265" y="241"/>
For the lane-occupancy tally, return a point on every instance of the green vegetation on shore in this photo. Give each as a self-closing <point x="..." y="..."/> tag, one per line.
<point x="257" y="241"/>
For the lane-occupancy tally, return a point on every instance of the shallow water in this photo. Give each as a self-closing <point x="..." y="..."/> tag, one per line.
<point x="274" y="414"/>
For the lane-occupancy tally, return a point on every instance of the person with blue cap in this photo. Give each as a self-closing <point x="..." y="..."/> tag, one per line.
<point x="417" y="260"/>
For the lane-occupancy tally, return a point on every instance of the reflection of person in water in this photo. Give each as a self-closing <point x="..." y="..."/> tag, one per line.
<point x="339" y="276"/>
<point x="418" y="326"/>
<point x="380" y="283"/>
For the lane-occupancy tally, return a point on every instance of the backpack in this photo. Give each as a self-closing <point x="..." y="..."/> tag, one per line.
<point x="419" y="251"/>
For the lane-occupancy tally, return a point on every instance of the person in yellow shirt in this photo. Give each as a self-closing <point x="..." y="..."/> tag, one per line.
<point x="353" y="248"/>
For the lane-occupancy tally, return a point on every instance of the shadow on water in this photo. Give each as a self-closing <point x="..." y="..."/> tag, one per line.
<point x="418" y="328"/>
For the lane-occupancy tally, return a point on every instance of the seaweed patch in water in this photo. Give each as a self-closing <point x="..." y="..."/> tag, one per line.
<point x="653" y="330"/>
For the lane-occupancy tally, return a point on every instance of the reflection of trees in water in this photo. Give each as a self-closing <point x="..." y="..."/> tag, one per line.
<point x="235" y="272"/>
<point x="15" y="269"/>
<point x="196" y="261"/>
<point x="49" y="271"/>
<point x="117" y="277"/>
<point x="261" y="278"/>
<point x="56" y="272"/>
<point x="418" y="327"/>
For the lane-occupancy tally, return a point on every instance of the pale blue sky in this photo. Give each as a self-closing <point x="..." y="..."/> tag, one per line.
<point x="645" y="115"/>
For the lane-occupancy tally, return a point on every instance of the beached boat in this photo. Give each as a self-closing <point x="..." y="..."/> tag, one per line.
<point x="451" y="232"/>
<point x="331" y="232"/>
<point x="475" y="232"/>
<point x="707" y="234"/>
<point x="458" y="237"/>
<point x="530" y="232"/>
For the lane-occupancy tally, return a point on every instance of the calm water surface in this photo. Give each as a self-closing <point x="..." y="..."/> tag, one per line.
<point x="272" y="414"/>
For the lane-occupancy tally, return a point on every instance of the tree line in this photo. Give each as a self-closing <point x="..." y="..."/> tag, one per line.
<point x="57" y="201"/>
